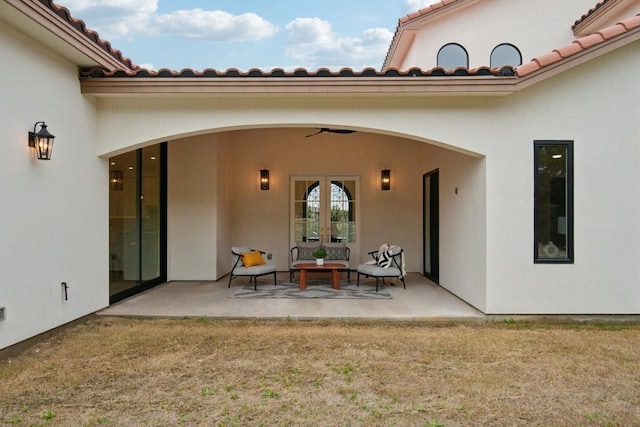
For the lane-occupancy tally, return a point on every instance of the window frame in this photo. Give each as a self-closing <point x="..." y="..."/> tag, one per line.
<point x="466" y="54"/>
<point x="569" y="196"/>
<point x="515" y="50"/>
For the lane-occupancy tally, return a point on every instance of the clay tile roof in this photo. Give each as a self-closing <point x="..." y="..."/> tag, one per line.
<point x="579" y="45"/>
<point x="590" y="12"/>
<point x="79" y="25"/>
<point x="426" y="10"/>
<point x="297" y="73"/>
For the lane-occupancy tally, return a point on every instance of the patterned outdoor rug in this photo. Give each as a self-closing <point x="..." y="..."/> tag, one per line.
<point x="315" y="289"/>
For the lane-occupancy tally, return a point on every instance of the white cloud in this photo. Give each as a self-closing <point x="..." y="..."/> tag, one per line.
<point x="415" y="5"/>
<point x="214" y="25"/>
<point x="147" y="66"/>
<point x="114" y="19"/>
<point x="312" y="42"/>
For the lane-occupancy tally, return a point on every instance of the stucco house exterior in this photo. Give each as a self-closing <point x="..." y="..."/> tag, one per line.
<point x="509" y="128"/>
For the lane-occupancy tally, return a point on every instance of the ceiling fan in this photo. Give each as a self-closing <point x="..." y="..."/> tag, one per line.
<point x="342" y="131"/>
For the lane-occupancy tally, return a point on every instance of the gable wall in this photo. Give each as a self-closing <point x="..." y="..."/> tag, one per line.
<point x="535" y="28"/>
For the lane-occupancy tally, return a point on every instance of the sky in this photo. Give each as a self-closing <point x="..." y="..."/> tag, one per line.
<point x="245" y="34"/>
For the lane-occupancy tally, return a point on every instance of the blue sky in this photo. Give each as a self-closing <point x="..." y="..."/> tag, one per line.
<point x="246" y="34"/>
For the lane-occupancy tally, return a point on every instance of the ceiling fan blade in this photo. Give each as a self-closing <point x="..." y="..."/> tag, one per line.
<point x="343" y="131"/>
<point x="320" y="131"/>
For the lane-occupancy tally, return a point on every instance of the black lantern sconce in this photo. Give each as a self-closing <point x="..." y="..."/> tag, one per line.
<point x="264" y="179"/>
<point x="116" y="180"/>
<point x="385" y="179"/>
<point x="42" y="141"/>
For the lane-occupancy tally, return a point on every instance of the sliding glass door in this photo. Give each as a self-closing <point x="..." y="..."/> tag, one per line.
<point x="137" y="221"/>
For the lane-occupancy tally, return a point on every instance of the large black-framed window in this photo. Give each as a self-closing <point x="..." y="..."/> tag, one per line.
<point x="553" y="199"/>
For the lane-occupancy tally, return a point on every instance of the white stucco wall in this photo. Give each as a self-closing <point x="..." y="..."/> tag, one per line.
<point x="595" y="105"/>
<point x="53" y="214"/>
<point x="483" y="25"/>
<point x="191" y="208"/>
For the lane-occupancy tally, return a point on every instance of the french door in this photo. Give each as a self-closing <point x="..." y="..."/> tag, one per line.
<point x="326" y="209"/>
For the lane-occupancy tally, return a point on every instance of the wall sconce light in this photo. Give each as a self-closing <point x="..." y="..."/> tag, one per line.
<point x="264" y="179"/>
<point x="42" y="141"/>
<point x="385" y="179"/>
<point x="116" y="180"/>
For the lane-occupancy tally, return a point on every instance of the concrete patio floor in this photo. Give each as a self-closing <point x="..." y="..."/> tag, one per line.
<point x="421" y="300"/>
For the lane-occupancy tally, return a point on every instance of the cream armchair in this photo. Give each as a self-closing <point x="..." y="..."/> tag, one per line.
<point x="386" y="263"/>
<point x="250" y="263"/>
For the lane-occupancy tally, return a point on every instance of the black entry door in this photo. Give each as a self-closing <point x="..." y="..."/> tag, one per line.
<point x="431" y="225"/>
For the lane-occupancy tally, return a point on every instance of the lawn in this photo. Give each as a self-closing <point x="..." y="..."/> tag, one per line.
<point x="113" y="371"/>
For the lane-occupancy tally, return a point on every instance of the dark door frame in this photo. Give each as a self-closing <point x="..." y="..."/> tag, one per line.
<point x="431" y="215"/>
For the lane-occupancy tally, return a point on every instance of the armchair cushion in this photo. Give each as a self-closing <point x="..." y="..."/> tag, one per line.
<point x="250" y="259"/>
<point x="306" y="250"/>
<point x="336" y="250"/>
<point x="384" y="259"/>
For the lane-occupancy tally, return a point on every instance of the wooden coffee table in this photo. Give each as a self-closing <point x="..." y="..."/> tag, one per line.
<point x="335" y="274"/>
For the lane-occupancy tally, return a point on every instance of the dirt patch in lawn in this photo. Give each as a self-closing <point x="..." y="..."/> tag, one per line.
<point x="128" y="372"/>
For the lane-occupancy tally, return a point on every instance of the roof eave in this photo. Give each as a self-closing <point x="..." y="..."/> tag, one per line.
<point x="62" y="37"/>
<point x="590" y="22"/>
<point x="560" y="66"/>
<point x="422" y="86"/>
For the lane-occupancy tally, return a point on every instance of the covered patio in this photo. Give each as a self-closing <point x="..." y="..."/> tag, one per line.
<point x="422" y="299"/>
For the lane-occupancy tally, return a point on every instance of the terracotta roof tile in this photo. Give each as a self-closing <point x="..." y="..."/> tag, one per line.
<point x="591" y="40"/>
<point x="610" y="32"/>
<point x="579" y="45"/>
<point x="568" y="50"/>
<point x="548" y="59"/>
<point x="79" y="25"/>
<point x="631" y="22"/>
<point x="528" y="68"/>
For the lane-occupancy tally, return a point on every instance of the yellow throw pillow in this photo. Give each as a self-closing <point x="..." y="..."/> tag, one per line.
<point x="251" y="258"/>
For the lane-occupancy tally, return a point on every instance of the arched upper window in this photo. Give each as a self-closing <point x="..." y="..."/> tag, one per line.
<point x="505" y="54"/>
<point x="342" y="212"/>
<point x="452" y="55"/>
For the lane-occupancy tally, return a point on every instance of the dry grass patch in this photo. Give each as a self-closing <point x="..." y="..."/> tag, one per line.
<point x="129" y="372"/>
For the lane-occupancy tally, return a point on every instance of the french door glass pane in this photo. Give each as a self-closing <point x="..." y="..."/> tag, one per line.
<point x="307" y="211"/>
<point x="124" y="231"/>
<point x="150" y="213"/>
<point x="343" y="211"/>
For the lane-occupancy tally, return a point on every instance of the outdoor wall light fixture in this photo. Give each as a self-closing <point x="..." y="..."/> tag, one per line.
<point x="116" y="180"/>
<point x="42" y="141"/>
<point x="264" y="179"/>
<point x="385" y="179"/>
